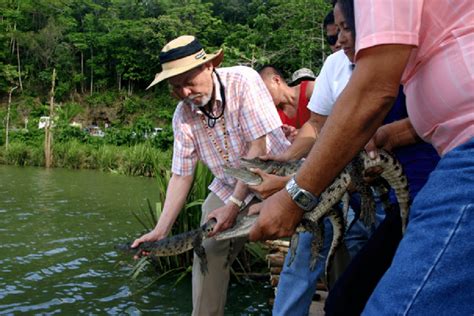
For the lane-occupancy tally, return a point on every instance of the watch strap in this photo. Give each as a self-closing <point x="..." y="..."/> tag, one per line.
<point x="305" y="200"/>
<point x="236" y="201"/>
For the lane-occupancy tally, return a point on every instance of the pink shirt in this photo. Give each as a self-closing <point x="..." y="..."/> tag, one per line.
<point x="439" y="77"/>
<point x="249" y="114"/>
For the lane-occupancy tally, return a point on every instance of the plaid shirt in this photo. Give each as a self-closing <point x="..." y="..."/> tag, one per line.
<point x="249" y="114"/>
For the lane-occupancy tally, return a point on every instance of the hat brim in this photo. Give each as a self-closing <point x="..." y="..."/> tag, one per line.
<point x="298" y="81"/>
<point x="216" y="59"/>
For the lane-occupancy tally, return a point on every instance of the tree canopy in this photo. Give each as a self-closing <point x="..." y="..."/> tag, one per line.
<point x="100" y="45"/>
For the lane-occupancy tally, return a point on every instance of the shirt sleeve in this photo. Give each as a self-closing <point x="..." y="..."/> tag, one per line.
<point x="258" y="115"/>
<point x="387" y="22"/>
<point x="322" y="100"/>
<point x="184" y="150"/>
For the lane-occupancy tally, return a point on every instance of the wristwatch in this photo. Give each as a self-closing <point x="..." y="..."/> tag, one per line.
<point x="236" y="201"/>
<point x="304" y="199"/>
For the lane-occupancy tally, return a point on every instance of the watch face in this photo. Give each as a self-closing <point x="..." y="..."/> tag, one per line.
<point x="303" y="199"/>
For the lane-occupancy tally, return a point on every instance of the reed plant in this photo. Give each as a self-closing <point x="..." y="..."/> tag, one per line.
<point x="18" y="154"/>
<point x="72" y="154"/>
<point x="141" y="159"/>
<point x="253" y="256"/>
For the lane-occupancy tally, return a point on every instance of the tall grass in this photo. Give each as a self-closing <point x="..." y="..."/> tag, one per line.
<point x="139" y="160"/>
<point x="189" y="218"/>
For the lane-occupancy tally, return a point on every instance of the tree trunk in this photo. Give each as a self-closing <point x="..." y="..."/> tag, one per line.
<point x="82" y="72"/>
<point x="19" y="65"/>
<point x="119" y="81"/>
<point x="92" y="71"/>
<point x="8" y="115"/>
<point x="48" y="139"/>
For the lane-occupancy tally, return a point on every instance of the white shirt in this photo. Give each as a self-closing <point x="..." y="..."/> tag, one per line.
<point x="332" y="79"/>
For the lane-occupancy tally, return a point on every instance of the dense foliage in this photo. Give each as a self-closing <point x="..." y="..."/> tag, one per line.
<point x="105" y="53"/>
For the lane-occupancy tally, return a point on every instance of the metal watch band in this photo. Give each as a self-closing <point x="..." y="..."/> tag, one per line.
<point x="236" y="201"/>
<point x="306" y="200"/>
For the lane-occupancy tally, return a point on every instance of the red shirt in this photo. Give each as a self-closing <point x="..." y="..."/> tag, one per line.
<point x="302" y="113"/>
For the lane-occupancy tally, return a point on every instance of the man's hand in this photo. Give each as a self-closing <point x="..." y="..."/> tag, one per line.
<point x="280" y="157"/>
<point x="278" y="217"/>
<point x="270" y="185"/>
<point x="225" y="217"/>
<point x="290" y="132"/>
<point x="154" y="235"/>
<point x="380" y="140"/>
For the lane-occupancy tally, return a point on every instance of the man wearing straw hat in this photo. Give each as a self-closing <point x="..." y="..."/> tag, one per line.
<point x="223" y="114"/>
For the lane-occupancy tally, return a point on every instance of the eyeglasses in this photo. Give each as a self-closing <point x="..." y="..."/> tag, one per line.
<point x="332" y="39"/>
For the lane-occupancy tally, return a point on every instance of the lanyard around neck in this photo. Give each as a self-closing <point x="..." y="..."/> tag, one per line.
<point x="211" y="119"/>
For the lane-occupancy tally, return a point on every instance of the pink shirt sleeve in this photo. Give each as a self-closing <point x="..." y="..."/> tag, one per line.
<point x="387" y="22"/>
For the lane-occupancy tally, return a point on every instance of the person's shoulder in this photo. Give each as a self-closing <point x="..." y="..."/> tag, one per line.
<point x="336" y="58"/>
<point x="180" y="113"/>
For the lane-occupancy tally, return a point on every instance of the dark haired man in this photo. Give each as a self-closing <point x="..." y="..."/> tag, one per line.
<point x="331" y="32"/>
<point x="291" y="101"/>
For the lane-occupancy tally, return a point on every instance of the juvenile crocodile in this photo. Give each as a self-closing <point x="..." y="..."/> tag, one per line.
<point x="351" y="175"/>
<point x="392" y="173"/>
<point x="176" y="244"/>
<point x="312" y="221"/>
<point x="193" y="239"/>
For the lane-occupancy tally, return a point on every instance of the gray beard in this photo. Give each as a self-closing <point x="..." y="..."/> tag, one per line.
<point x="204" y="100"/>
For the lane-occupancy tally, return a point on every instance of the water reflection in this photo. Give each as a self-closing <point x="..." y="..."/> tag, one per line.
<point x="57" y="231"/>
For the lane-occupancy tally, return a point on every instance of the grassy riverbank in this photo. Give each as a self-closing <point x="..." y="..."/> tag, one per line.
<point x="137" y="160"/>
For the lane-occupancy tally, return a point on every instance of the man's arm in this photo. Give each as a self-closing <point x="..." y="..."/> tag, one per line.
<point x="304" y="140"/>
<point x="393" y="135"/>
<point x="309" y="89"/>
<point x="176" y="194"/>
<point x="227" y="214"/>
<point x="358" y="112"/>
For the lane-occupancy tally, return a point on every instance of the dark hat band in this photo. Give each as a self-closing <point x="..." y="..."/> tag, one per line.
<point x="180" y="52"/>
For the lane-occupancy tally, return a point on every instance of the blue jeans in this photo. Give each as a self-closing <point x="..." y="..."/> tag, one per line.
<point x="432" y="272"/>
<point x="297" y="282"/>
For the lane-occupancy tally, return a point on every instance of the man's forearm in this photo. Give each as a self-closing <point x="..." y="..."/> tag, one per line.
<point x="176" y="194"/>
<point x="303" y="142"/>
<point x="402" y="133"/>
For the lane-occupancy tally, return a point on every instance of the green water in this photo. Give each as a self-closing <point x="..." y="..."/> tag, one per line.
<point x="57" y="232"/>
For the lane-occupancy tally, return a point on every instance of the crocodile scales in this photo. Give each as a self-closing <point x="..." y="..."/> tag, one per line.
<point x="180" y="243"/>
<point x="351" y="175"/>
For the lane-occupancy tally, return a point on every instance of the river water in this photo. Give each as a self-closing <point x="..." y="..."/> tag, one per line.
<point x="57" y="232"/>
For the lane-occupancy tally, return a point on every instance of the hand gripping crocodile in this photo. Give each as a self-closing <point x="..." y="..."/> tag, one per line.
<point x="312" y="221"/>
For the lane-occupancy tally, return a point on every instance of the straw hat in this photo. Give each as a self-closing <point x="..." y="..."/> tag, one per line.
<point x="182" y="54"/>
<point x="300" y="75"/>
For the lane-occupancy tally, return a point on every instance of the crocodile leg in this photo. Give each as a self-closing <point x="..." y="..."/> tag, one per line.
<point x="367" y="207"/>
<point x="200" y="252"/>
<point x="345" y="206"/>
<point x="382" y="189"/>
<point x="293" y="246"/>
<point x="317" y="244"/>
<point x="337" y="222"/>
